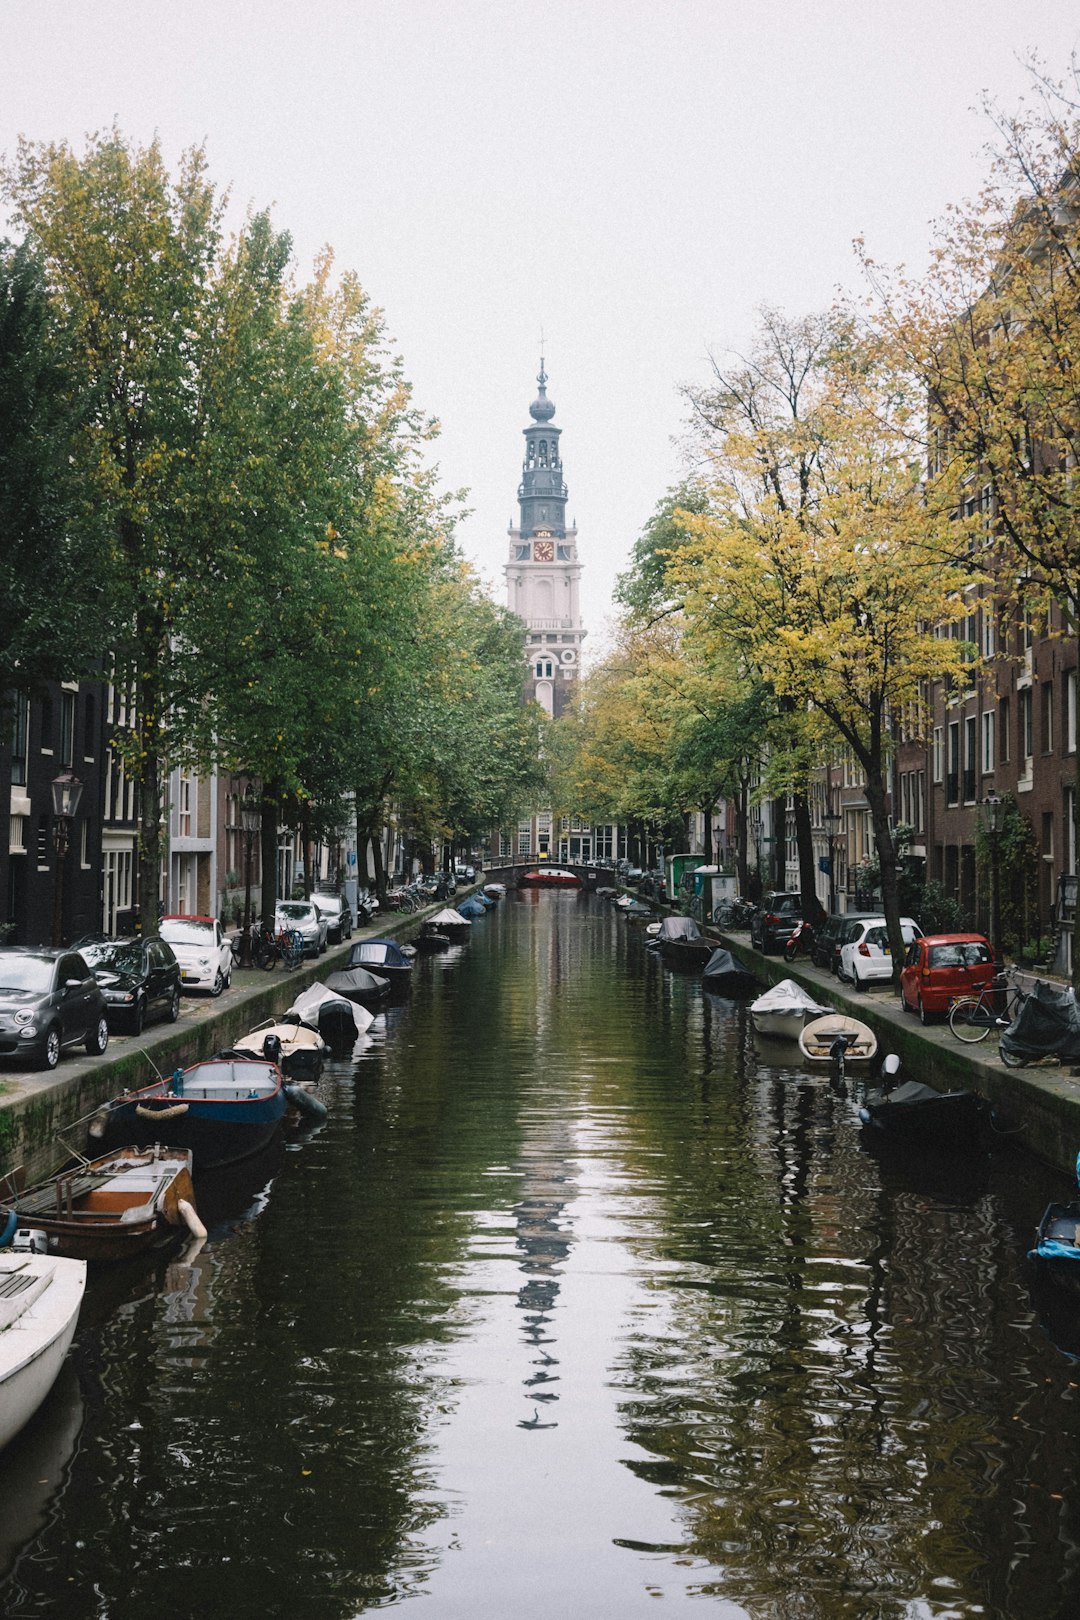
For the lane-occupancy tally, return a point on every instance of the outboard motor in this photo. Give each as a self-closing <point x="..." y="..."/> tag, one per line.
<point x="272" y="1049"/>
<point x="889" y="1071"/>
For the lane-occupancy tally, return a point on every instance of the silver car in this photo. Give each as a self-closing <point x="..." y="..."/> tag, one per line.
<point x="303" y="916"/>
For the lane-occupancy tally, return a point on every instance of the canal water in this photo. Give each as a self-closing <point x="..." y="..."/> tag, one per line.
<point x="578" y="1305"/>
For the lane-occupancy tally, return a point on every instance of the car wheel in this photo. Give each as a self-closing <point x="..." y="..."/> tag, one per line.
<point x="138" y="1016"/>
<point x="50" y="1051"/>
<point x="924" y="1016"/>
<point x="98" y="1038"/>
<point x="860" y="984"/>
<point x="174" y="1006"/>
<point x="219" y="983"/>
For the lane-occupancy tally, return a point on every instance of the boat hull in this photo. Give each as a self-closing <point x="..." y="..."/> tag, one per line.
<point x="114" y="1206"/>
<point x="1057" y="1247"/>
<point x="216" y="1122"/>
<point x="818" y="1037"/>
<point x="917" y="1113"/>
<point x="779" y="1026"/>
<point x="34" y="1344"/>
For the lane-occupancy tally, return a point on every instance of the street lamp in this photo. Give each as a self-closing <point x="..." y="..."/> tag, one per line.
<point x="66" y="792"/>
<point x="995" y="820"/>
<point x="250" y="820"/>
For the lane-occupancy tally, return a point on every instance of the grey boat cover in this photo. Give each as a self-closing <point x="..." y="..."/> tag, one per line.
<point x="358" y="982"/>
<point x="680" y="929"/>
<point x="448" y="918"/>
<point x="787" y="996"/>
<point x="727" y="969"/>
<point x="1048" y="1022"/>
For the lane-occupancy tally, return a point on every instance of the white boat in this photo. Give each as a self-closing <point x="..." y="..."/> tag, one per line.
<point x="340" y="1022"/>
<point x="783" y="1010"/>
<point x="40" y="1296"/>
<point x="294" y="1044"/>
<point x="818" y="1038"/>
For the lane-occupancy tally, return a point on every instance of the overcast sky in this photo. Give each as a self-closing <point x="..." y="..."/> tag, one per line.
<point x="634" y="177"/>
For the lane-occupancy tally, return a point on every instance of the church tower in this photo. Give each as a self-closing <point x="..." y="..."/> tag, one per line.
<point x="543" y="572"/>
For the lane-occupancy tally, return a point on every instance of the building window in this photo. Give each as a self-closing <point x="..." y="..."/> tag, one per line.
<point x="67" y="729"/>
<point x="46" y="724"/>
<point x="17" y="835"/>
<point x="19" y="731"/>
<point x="939" y="754"/>
<point x="1046" y="706"/>
<point x="989" y="631"/>
<point x="1026" y="724"/>
<point x="1070" y="711"/>
<point x="988" y="742"/>
<point x="184" y="817"/>
<point x="545" y="669"/>
<point x="952" y="781"/>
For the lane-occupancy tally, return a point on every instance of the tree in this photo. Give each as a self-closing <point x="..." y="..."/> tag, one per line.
<point x="53" y="569"/>
<point x="128" y="255"/>
<point x="820" y="557"/>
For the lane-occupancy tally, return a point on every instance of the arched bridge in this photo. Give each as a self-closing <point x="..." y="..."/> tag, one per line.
<point x="511" y="872"/>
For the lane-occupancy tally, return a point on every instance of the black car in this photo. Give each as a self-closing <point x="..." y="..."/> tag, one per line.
<point x="138" y="977"/>
<point x="773" y="924"/>
<point x="49" y="1000"/>
<point x="339" y="920"/>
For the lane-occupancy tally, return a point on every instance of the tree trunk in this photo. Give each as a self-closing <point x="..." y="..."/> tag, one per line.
<point x="268" y="848"/>
<point x="804" y="843"/>
<point x="707" y="836"/>
<point x="878" y="800"/>
<point x="742" y="853"/>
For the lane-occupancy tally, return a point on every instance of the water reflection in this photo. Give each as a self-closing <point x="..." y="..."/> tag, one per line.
<point x="582" y="1301"/>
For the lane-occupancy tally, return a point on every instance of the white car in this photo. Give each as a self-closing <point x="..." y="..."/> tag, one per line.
<point x="202" y="950"/>
<point x="864" y="955"/>
<point x="304" y="916"/>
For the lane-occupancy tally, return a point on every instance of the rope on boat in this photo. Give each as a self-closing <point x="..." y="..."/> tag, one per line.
<point x="143" y="1112"/>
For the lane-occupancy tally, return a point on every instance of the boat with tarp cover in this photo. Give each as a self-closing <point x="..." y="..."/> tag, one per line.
<point x="782" y="1012"/>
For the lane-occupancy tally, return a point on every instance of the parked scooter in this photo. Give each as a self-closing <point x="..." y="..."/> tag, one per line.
<point x="801" y="942"/>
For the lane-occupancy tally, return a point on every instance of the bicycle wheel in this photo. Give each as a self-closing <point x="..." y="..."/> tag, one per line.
<point x="292" y="949"/>
<point x="970" y="1020"/>
<point x="266" y="953"/>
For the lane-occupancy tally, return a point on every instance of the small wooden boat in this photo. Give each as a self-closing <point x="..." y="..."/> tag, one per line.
<point x="916" y="1112"/>
<point x="782" y="1011"/>
<point x="549" y="877"/>
<point x="724" y="975"/>
<point x="296" y="1046"/>
<point x="818" y="1039"/>
<point x="222" y="1109"/>
<point x="111" y="1207"/>
<point x="495" y="890"/>
<point x="340" y="1020"/>
<point x="40" y="1298"/>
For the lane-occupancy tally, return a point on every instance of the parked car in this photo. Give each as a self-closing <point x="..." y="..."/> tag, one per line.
<point x="464" y="872"/>
<point x="138" y="977"/>
<point x="338" y="917"/>
<point x="865" y="957"/>
<point x="939" y="968"/>
<point x="202" y="950"/>
<point x="830" y="937"/>
<point x="303" y="915"/>
<point x="49" y="1000"/>
<point x="773" y="924"/>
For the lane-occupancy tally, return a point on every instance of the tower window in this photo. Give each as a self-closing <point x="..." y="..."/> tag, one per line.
<point x="544" y="669"/>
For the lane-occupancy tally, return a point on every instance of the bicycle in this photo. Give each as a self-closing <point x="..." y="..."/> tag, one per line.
<point x="286" y="947"/>
<point x="971" y="1018"/>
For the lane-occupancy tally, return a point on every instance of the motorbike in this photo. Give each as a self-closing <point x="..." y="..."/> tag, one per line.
<point x="801" y="942"/>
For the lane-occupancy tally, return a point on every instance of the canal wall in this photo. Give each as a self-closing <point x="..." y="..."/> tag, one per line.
<point x="44" y="1114"/>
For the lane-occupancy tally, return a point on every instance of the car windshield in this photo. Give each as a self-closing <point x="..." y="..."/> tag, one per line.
<point x="187" y="931"/>
<point x="295" y="910"/>
<point x="26" y="973"/>
<point x="328" y="902"/>
<point x="122" y="957"/>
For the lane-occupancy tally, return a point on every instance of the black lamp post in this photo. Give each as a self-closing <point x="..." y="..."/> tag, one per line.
<point x="66" y="793"/>
<point x="250" y="819"/>
<point x="995" y="820"/>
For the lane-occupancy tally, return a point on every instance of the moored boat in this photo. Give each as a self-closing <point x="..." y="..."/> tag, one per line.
<point x="725" y="975"/>
<point x="294" y="1044"/>
<point x="40" y="1298"/>
<point x="916" y="1112"/>
<point x="549" y="877"/>
<point x="449" y="923"/>
<point x="782" y="1011"/>
<point x="818" y="1038"/>
<point x="340" y="1019"/>
<point x="223" y="1109"/>
<point x="384" y="958"/>
<point x="680" y="940"/>
<point x="110" y="1207"/>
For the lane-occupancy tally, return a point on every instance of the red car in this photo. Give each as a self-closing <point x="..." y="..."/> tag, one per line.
<point x="939" y="968"/>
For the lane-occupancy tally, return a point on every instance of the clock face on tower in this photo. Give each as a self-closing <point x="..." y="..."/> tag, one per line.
<point x="543" y="551"/>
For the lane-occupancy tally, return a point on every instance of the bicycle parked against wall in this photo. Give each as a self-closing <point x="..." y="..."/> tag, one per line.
<point x="971" y="1018"/>
<point x="286" y="947"/>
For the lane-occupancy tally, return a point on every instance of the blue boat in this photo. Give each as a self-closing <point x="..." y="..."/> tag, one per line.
<point x="383" y="957"/>
<point x="1057" y="1244"/>
<point x="471" y="908"/>
<point x="222" y="1110"/>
